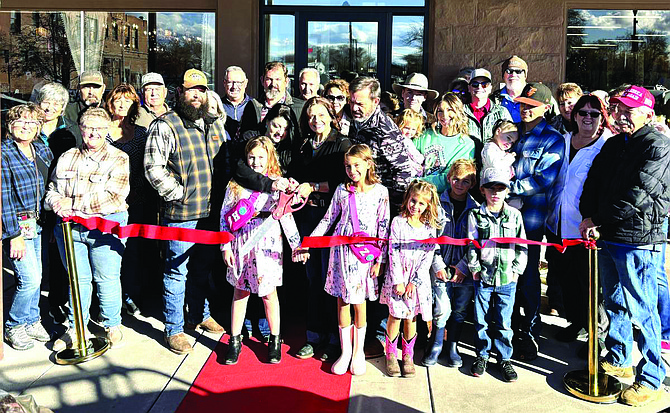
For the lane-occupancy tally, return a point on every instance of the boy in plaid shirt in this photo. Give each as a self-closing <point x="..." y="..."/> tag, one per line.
<point x="495" y="270"/>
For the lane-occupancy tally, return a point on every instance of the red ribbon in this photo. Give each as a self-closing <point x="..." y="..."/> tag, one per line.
<point x="324" y="242"/>
<point x="198" y="236"/>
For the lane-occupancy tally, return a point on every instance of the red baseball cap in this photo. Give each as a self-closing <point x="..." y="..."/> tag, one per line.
<point x="635" y="97"/>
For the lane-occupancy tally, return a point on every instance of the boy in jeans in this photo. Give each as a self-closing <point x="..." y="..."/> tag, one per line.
<point x="452" y="292"/>
<point x="495" y="270"/>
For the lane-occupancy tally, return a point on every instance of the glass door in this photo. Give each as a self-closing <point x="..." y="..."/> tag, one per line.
<point x="337" y="44"/>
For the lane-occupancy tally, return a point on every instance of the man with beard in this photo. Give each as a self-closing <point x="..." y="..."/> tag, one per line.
<point x="626" y="198"/>
<point x="275" y="82"/>
<point x="91" y="89"/>
<point x="181" y="161"/>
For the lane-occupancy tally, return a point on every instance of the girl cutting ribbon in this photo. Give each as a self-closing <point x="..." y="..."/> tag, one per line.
<point x="362" y="204"/>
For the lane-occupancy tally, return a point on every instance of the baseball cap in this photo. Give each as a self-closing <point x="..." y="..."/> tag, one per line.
<point x="480" y="73"/>
<point x="416" y="81"/>
<point x="91" y="77"/>
<point x="635" y="97"/>
<point x="515" y="61"/>
<point x="193" y="78"/>
<point x="493" y="176"/>
<point x="535" y="94"/>
<point x="152" y="77"/>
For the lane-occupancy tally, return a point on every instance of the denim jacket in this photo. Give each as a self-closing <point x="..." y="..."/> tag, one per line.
<point x="454" y="227"/>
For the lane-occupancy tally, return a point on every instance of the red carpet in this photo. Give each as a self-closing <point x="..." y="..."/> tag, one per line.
<point x="253" y="385"/>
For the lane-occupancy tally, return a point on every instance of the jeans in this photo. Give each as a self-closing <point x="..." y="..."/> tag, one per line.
<point x="630" y="288"/>
<point x="441" y="303"/>
<point x="28" y="274"/>
<point x="460" y="296"/>
<point x="501" y="299"/>
<point x="664" y="292"/>
<point x="529" y="292"/>
<point x="98" y="258"/>
<point x="182" y="259"/>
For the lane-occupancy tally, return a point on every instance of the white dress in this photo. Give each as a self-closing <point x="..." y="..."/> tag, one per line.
<point x="409" y="262"/>
<point x="260" y="271"/>
<point x="347" y="277"/>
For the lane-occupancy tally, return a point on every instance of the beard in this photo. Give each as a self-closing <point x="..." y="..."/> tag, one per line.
<point x="272" y="94"/>
<point x="188" y="111"/>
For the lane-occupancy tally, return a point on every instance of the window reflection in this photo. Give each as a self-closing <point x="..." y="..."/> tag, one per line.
<point x="407" y="49"/>
<point x="607" y="48"/>
<point x="368" y="3"/>
<point x="280" y="40"/>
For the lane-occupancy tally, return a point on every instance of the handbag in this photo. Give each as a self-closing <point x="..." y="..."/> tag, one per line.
<point x="366" y="251"/>
<point x="28" y="220"/>
<point x="244" y="210"/>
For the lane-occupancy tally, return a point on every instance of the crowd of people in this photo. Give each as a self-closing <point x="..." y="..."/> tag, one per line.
<point x="520" y="162"/>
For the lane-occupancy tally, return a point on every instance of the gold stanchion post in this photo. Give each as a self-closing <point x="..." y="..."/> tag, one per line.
<point x="83" y="349"/>
<point x="591" y="384"/>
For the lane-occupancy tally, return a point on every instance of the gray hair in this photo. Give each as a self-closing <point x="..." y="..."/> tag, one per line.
<point x="309" y="69"/>
<point x="364" y="82"/>
<point x="53" y="91"/>
<point x="94" y="113"/>
<point x="235" y="69"/>
<point x="220" y="112"/>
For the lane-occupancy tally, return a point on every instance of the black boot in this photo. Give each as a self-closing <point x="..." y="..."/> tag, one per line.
<point x="234" y="348"/>
<point x="453" y="334"/>
<point x="274" y="349"/>
<point x="434" y="347"/>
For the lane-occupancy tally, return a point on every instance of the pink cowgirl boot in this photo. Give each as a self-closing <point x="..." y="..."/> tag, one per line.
<point x="392" y="367"/>
<point x="408" y="369"/>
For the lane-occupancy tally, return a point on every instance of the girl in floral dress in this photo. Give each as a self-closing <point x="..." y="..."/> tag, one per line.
<point x="348" y="278"/>
<point x="260" y="270"/>
<point x="407" y="289"/>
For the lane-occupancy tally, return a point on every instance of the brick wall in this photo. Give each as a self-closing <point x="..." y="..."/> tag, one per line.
<point x="483" y="33"/>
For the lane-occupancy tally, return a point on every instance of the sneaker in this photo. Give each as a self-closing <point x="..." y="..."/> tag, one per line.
<point x="507" y="371"/>
<point x="38" y="332"/>
<point x="178" y="344"/>
<point x="17" y="338"/>
<point x="639" y="395"/>
<point x="525" y="348"/>
<point x="131" y="308"/>
<point x="479" y="366"/>
<point x="210" y="325"/>
<point x="306" y="351"/>
<point x="115" y="336"/>
<point x="612" y="370"/>
<point x="665" y="346"/>
<point x="65" y="341"/>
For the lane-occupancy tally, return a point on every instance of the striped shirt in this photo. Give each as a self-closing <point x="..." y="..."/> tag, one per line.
<point x="98" y="182"/>
<point x="22" y="186"/>
<point x="497" y="264"/>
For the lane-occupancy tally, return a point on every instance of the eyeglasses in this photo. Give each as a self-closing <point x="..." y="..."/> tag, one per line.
<point x="27" y="123"/>
<point x="94" y="130"/>
<point x="590" y="113"/>
<point x="50" y="104"/>
<point x="476" y="84"/>
<point x="333" y="98"/>
<point x="514" y="71"/>
<point x="234" y="83"/>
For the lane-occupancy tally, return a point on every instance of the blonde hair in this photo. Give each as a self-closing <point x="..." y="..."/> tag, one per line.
<point x="408" y="116"/>
<point x="501" y="127"/>
<point x="463" y="168"/>
<point x="273" y="169"/>
<point x="363" y="151"/>
<point x="566" y="90"/>
<point x="94" y="113"/>
<point x="454" y="104"/>
<point x="423" y="188"/>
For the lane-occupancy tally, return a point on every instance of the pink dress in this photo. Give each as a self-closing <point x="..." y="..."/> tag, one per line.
<point x="347" y="277"/>
<point x="409" y="262"/>
<point x="260" y="271"/>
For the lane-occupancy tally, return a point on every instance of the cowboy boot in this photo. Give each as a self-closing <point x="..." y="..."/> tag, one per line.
<point x="408" y="369"/>
<point x="392" y="366"/>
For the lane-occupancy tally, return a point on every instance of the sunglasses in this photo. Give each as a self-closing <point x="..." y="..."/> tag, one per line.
<point x="515" y="71"/>
<point x="590" y="113"/>
<point x="333" y="98"/>
<point x="482" y="84"/>
<point x="458" y="91"/>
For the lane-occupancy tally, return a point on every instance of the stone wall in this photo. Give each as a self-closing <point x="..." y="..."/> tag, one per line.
<point x="483" y="33"/>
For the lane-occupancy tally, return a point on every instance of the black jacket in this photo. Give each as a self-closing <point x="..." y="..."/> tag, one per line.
<point x="626" y="191"/>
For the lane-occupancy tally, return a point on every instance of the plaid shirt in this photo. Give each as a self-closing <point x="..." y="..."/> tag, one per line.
<point x="497" y="264"/>
<point x="98" y="182"/>
<point x="537" y="170"/>
<point x="22" y="186"/>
